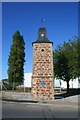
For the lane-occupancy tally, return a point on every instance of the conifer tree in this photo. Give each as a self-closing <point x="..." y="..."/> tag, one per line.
<point x="16" y="60"/>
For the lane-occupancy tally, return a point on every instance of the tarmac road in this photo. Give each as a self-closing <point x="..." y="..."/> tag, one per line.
<point x="24" y="110"/>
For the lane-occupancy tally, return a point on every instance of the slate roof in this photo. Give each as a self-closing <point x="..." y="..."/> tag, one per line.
<point x="42" y="39"/>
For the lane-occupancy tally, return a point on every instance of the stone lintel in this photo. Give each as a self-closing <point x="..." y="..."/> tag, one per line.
<point x="42" y="76"/>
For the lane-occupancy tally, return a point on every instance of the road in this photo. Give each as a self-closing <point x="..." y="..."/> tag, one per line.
<point x="24" y="110"/>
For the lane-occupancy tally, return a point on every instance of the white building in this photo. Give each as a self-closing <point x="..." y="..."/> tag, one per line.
<point x="27" y="79"/>
<point x="57" y="82"/>
<point x="72" y="83"/>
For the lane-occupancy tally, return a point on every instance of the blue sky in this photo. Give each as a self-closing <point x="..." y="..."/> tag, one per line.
<point x="61" y="22"/>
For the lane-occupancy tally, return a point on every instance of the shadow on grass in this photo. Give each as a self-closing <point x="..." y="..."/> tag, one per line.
<point x="72" y="92"/>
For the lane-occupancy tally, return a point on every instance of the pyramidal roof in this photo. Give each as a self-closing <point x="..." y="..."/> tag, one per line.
<point x="42" y="36"/>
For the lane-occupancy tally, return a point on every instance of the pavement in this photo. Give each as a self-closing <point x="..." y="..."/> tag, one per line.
<point x="21" y="110"/>
<point x="21" y="105"/>
<point x="24" y="97"/>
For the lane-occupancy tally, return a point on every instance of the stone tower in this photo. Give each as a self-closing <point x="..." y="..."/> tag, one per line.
<point x="42" y="74"/>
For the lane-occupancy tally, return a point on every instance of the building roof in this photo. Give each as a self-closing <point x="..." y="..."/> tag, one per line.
<point x="42" y="36"/>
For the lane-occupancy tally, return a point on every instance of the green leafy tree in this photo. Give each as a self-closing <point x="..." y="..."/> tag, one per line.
<point x="71" y="50"/>
<point x="61" y="68"/>
<point x="66" y="61"/>
<point x="16" y="60"/>
<point x="75" y="57"/>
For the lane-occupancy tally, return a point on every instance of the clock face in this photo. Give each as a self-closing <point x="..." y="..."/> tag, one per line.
<point x="42" y="34"/>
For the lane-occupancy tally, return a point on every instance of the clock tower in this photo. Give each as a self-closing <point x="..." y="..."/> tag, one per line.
<point x="42" y="74"/>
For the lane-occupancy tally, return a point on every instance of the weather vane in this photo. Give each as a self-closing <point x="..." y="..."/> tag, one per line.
<point x="42" y="22"/>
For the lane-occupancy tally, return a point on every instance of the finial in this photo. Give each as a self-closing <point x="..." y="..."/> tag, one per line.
<point x="42" y="22"/>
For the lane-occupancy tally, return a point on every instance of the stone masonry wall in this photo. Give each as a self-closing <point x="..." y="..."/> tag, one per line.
<point x="42" y="71"/>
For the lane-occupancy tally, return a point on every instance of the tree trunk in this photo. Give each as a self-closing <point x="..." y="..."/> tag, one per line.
<point x="67" y="86"/>
<point x="13" y="86"/>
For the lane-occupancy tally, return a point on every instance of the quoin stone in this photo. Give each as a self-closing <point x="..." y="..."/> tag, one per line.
<point x="42" y="73"/>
